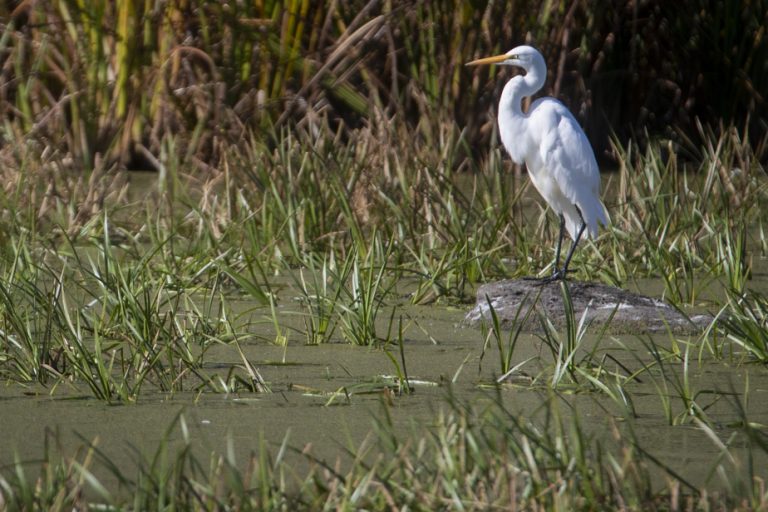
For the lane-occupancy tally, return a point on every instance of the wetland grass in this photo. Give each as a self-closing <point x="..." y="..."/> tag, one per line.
<point x="120" y="318"/>
<point x="745" y="324"/>
<point x="492" y="332"/>
<point x="692" y="221"/>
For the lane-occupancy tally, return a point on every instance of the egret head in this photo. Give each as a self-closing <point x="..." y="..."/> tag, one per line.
<point x="525" y="57"/>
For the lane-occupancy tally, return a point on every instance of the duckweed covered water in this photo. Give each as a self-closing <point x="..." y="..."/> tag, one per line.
<point x="325" y="398"/>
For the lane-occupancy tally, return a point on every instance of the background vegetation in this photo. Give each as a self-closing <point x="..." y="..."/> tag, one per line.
<point x="114" y="78"/>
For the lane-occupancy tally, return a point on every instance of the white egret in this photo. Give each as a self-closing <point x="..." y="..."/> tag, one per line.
<point x="560" y="161"/>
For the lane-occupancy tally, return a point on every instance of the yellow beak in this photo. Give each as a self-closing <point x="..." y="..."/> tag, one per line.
<point x="489" y="60"/>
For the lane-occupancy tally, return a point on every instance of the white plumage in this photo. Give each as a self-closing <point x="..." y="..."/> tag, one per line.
<point x="554" y="148"/>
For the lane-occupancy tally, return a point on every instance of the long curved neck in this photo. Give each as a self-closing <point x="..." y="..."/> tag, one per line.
<point x="512" y="121"/>
<point x="518" y="88"/>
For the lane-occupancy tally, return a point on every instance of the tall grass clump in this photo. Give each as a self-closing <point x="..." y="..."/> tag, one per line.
<point x="744" y="322"/>
<point x="31" y="313"/>
<point x="90" y="317"/>
<point x="364" y="295"/>
<point x="302" y="204"/>
<point x="693" y="221"/>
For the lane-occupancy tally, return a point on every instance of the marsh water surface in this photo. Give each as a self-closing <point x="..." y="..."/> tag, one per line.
<point x="327" y="396"/>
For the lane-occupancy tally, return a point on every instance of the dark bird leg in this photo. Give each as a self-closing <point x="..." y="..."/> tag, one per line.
<point x="559" y="273"/>
<point x="556" y="271"/>
<point x="573" y="247"/>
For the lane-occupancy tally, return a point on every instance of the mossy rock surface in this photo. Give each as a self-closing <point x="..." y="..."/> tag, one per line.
<point x="624" y="312"/>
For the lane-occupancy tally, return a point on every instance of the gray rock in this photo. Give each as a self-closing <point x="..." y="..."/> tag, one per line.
<point x="627" y="312"/>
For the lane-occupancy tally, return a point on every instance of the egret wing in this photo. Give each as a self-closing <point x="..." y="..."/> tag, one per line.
<point x="566" y="153"/>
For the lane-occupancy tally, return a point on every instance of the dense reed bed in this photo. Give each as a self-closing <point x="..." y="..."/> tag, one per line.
<point x="103" y="85"/>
